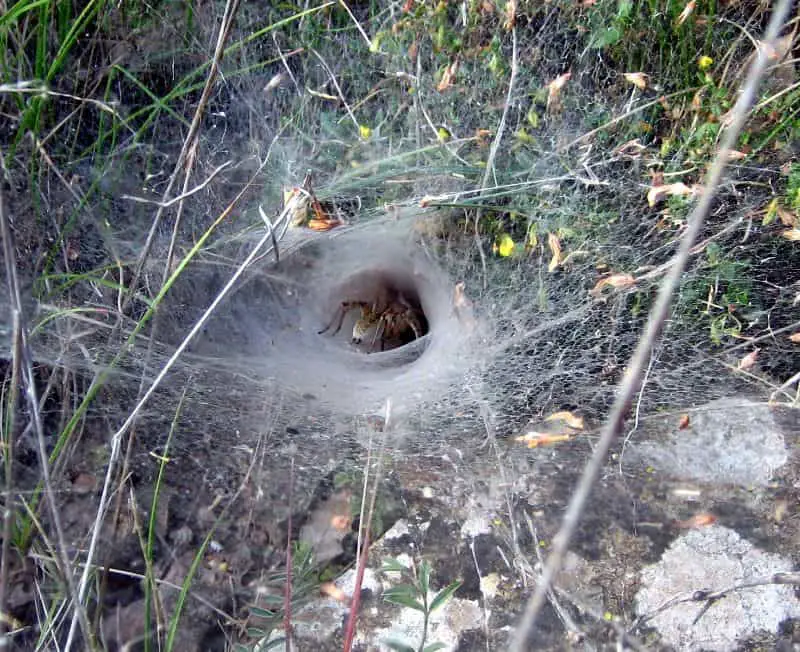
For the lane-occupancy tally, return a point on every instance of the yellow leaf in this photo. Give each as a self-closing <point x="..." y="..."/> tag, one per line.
<point x="365" y="131"/>
<point x="638" y="79"/>
<point x="572" y="420"/>
<point x="506" y="245"/>
<point x="442" y="134"/>
<point x="523" y="136"/>
<point x="792" y="234"/>
<point x="555" y="247"/>
<point x="770" y="213"/>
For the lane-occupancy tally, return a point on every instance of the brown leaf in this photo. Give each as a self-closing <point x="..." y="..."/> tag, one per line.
<point x="300" y="208"/>
<point x="638" y="79"/>
<point x="704" y="519"/>
<point x="534" y="439"/>
<point x="555" y="247"/>
<point x="448" y="76"/>
<point x="679" y="189"/>
<point x="341" y="522"/>
<point x="792" y="234"/>
<point x="787" y="217"/>
<point x="617" y="281"/>
<point x="333" y="591"/>
<point x="572" y="420"/>
<point x="735" y="155"/>
<point x="795" y="337"/>
<point x="749" y="360"/>
<point x="683" y="422"/>
<point x="482" y="136"/>
<point x="687" y="11"/>
<point x="554" y="92"/>
<point x="510" y="15"/>
<point x="274" y="82"/>
<point x="323" y="225"/>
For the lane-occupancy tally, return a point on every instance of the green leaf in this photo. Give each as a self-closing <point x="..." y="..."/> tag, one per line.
<point x="433" y="647"/>
<point x="404" y="595"/>
<point x="444" y="595"/>
<point x="398" y="646"/>
<point x="393" y="566"/>
<point x="424" y="577"/>
<point x="262" y="613"/>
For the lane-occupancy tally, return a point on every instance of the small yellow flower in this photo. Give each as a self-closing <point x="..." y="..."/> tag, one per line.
<point x="704" y="62"/>
<point x="506" y="245"/>
<point x="365" y="131"/>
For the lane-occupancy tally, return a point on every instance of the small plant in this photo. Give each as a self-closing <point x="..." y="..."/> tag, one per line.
<point x="270" y="617"/>
<point x="414" y="594"/>
<point x="793" y="187"/>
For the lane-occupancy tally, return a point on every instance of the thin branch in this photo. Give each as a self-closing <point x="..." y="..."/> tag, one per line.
<point x="189" y="142"/>
<point x="117" y="437"/>
<point x="338" y="90"/>
<point x="188" y="193"/>
<point x="26" y="366"/>
<point x="358" y="25"/>
<point x="495" y="147"/>
<point x="632" y="377"/>
<point x="286" y="65"/>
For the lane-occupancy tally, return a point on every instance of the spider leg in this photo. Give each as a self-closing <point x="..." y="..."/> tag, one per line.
<point x="380" y="329"/>
<point x="344" y="308"/>
<point x="415" y="325"/>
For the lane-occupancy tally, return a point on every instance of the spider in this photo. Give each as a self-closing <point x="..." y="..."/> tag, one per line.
<point x="395" y="320"/>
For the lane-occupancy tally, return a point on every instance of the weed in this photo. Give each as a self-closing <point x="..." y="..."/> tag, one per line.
<point x="415" y="594"/>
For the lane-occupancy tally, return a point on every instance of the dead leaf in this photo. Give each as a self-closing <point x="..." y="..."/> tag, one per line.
<point x="638" y="79"/>
<point x="274" y="82"/>
<point x="554" y="93"/>
<point x="323" y="225"/>
<point x="510" y="20"/>
<point x="555" y="247"/>
<point x="795" y="337"/>
<point x="482" y="136"/>
<point x="749" y="360"/>
<point x="703" y="519"/>
<point x="792" y="234"/>
<point x="735" y="155"/>
<point x="787" y="217"/>
<point x="687" y="11"/>
<point x="341" y="522"/>
<point x="448" y="76"/>
<point x="84" y="483"/>
<point x="679" y="189"/>
<point x="333" y="591"/>
<point x="534" y="439"/>
<point x="572" y="420"/>
<point x="683" y="422"/>
<point x="616" y="281"/>
<point x="632" y="148"/>
<point x="299" y="211"/>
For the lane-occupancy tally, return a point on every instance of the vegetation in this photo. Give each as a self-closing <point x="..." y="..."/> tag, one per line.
<point x="121" y="122"/>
